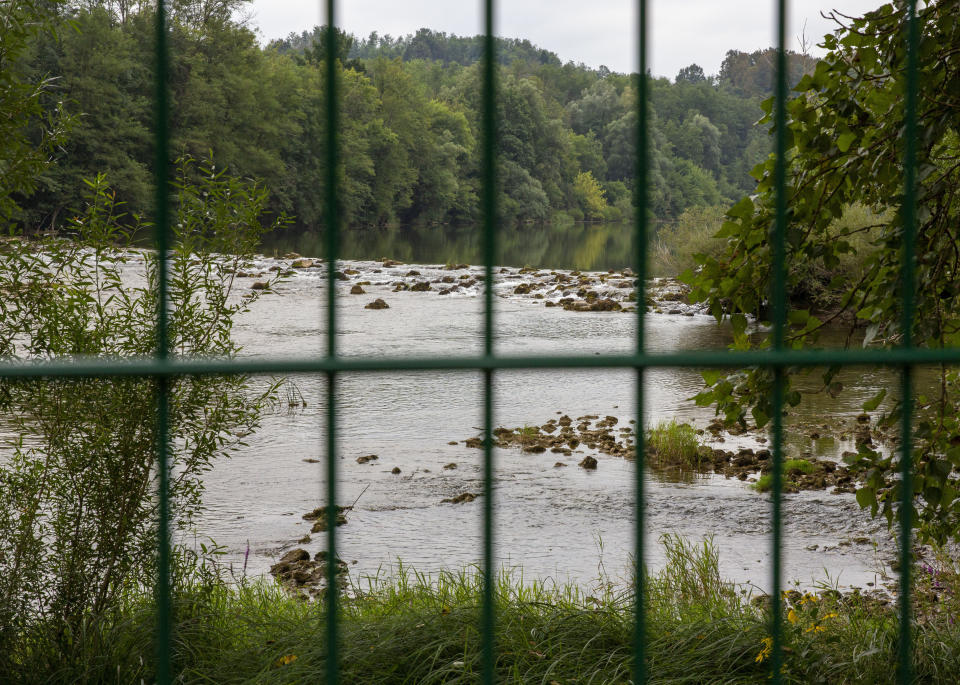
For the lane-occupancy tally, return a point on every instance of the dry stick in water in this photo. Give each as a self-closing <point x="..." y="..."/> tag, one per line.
<point x="359" y="496"/>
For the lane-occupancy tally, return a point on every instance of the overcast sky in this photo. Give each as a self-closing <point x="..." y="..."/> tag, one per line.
<point x="594" y="32"/>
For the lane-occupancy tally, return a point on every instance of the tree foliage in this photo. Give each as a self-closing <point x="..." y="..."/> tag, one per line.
<point x="845" y="135"/>
<point x="29" y="132"/>
<point x="410" y="136"/>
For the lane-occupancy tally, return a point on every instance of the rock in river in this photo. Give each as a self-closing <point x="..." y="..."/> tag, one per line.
<point x="461" y="498"/>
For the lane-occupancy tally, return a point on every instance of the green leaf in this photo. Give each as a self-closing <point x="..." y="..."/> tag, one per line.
<point x="844" y="141"/>
<point x="760" y="416"/>
<point x="704" y="399"/>
<point x="739" y="323"/>
<point x="875" y="401"/>
<point x="742" y="210"/>
<point x="711" y="376"/>
<point x="867" y="497"/>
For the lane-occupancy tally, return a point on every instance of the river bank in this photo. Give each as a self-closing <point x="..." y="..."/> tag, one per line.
<point x="413" y="628"/>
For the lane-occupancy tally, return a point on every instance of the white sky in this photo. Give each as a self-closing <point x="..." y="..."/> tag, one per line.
<point x="594" y="32"/>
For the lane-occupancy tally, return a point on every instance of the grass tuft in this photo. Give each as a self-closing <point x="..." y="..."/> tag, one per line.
<point x="674" y="443"/>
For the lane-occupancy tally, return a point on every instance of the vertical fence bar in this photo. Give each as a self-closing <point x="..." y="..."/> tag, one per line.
<point x="489" y="212"/>
<point x="162" y="243"/>
<point x="332" y="246"/>
<point x="779" y="300"/>
<point x="907" y="270"/>
<point x="640" y="257"/>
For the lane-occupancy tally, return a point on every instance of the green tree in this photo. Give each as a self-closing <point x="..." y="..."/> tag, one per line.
<point x="845" y="146"/>
<point x="590" y="195"/>
<point x="692" y="74"/>
<point x="24" y="158"/>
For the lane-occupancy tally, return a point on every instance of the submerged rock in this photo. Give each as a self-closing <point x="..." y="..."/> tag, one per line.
<point x="377" y="304"/>
<point x="588" y="463"/>
<point x="319" y="517"/>
<point x="461" y="498"/>
<point x="298" y="573"/>
<point x="357" y="290"/>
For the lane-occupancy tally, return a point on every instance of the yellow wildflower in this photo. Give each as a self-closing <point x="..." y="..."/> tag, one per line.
<point x="766" y="650"/>
<point x="792" y="616"/>
<point x="287" y="659"/>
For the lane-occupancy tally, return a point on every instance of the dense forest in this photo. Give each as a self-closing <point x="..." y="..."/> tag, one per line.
<point x="410" y="136"/>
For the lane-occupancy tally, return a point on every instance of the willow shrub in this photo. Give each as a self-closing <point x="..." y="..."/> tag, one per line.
<point x="78" y="504"/>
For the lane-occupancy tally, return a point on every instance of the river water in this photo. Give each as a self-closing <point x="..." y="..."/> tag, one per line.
<point x="552" y="521"/>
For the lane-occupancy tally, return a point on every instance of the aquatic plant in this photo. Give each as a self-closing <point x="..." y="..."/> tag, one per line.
<point x="791" y="467"/>
<point x="674" y="443"/>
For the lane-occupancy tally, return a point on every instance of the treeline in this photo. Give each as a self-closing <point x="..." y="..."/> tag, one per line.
<point x="410" y="120"/>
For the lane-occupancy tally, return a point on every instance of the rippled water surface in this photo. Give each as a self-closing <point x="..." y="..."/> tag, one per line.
<point x="552" y="521"/>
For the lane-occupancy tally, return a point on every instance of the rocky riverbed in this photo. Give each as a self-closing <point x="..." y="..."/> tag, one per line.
<point x="553" y="521"/>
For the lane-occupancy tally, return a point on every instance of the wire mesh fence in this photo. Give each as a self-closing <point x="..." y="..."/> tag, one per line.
<point x="164" y="367"/>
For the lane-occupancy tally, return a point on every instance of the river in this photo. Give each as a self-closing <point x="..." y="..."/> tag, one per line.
<point x="552" y="521"/>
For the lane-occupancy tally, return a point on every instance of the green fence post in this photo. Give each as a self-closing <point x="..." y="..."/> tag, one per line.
<point x="779" y="301"/>
<point x="489" y="212"/>
<point x="640" y="257"/>
<point x="908" y="278"/>
<point x="331" y="206"/>
<point x="164" y="624"/>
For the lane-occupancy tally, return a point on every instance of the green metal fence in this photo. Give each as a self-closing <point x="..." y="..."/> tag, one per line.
<point x="163" y="368"/>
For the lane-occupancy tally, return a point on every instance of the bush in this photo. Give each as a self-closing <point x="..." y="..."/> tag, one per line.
<point x="677" y="243"/>
<point x="78" y="509"/>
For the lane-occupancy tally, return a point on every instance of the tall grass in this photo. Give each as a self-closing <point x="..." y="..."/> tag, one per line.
<point x="415" y="628"/>
<point x="673" y="443"/>
<point x="676" y="242"/>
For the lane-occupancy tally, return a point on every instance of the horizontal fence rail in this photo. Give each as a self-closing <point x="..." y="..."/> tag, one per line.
<point x="91" y="367"/>
<point x="164" y="367"/>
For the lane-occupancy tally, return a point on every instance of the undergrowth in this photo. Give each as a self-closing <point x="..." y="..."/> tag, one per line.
<point x="424" y="629"/>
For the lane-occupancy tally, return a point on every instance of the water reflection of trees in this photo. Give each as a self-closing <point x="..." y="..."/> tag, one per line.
<point x="588" y="247"/>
